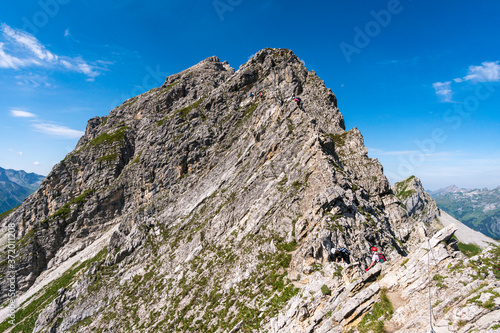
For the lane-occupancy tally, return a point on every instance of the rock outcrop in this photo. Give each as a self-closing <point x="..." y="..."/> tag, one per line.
<point x="415" y="199"/>
<point x="208" y="210"/>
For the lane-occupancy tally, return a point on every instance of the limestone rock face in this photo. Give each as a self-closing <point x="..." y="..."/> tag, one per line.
<point x="196" y="207"/>
<point x="415" y="199"/>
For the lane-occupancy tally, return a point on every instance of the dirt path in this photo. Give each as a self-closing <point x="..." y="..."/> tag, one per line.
<point x="397" y="301"/>
<point x="52" y="274"/>
<point x="464" y="233"/>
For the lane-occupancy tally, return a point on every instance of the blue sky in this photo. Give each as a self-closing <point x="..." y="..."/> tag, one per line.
<point x="420" y="79"/>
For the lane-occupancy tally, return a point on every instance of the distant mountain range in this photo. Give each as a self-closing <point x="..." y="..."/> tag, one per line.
<point x="15" y="186"/>
<point x="477" y="208"/>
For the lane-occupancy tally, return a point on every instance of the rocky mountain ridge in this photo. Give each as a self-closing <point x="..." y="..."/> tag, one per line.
<point x="195" y="207"/>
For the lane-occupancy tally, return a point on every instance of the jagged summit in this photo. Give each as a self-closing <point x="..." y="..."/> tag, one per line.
<point x="197" y="207"/>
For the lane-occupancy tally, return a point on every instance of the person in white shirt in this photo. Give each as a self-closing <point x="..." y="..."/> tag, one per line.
<point x="375" y="258"/>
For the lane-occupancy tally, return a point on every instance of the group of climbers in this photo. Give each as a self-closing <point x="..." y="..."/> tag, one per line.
<point x="342" y="254"/>
<point x="260" y="94"/>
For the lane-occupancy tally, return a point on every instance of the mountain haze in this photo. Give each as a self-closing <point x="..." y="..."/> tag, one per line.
<point x="195" y="207"/>
<point x="477" y="208"/>
<point x="15" y="186"/>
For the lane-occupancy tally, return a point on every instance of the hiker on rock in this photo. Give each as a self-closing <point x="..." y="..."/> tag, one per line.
<point x="252" y="94"/>
<point x="279" y="100"/>
<point x="375" y="258"/>
<point x="297" y="100"/>
<point x="341" y="254"/>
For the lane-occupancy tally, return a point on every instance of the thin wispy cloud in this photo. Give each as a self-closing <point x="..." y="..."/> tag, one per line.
<point x="8" y="61"/>
<point x="405" y="62"/>
<point x="486" y="72"/>
<point x="66" y="33"/>
<point x="57" y="130"/>
<point x="428" y="156"/>
<point x="19" y="49"/>
<point x="443" y="90"/>
<point x="381" y="152"/>
<point x="33" y="80"/>
<point x="20" y="153"/>
<point x="22" y="114"/>
<point x="29" y="42"/>
<point x="463" y="168"/>
<point x="45" y="127"/>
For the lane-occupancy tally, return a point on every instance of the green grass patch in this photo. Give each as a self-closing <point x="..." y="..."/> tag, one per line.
<point x="338" y="139"/>
<point x="108" y="158"/>
<point x="401" y="189"/>
<point x="7" y="213"/>
<point x="130" y="103"/>
<point x="403" y="264"/>
<point x="288" y="247"/>
<point x="65" y="210"/>
<point x="170" y="86"/>
<point x="182" y="112"/>
<point x="371" y="322"/>
<point x="27" y="316"/>
<point x="470" y="250"/>
<point x="185" y="111"/>
<point x="325" y="290"/>
<point x="439" y="281"/>
<point x="137" y="159"/>
<point x="116" y="136"/>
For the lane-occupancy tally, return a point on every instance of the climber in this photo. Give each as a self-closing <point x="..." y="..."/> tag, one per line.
<point x="375" y="258"/>
<point x="252" y="94"/>
<point x="341" y="254"/>
<point x="297" y="100"/>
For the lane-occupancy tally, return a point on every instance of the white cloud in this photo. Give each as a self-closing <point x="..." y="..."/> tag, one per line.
<point x="22" y="114"/>
<point x="443" y="90"/>
<point x="19" y="49"/>
<point x="487" y="72"/>
<point x="57" y="130"/>
<point x="8" y="61"/>
<point x="66" y="33"/>
<point x="29" y="42"/>
<point x="36" y="163"/>
<point x="46" y="127"/>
